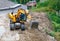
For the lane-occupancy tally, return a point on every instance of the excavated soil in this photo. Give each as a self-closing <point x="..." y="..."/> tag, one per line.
<point x="29" y="34"/>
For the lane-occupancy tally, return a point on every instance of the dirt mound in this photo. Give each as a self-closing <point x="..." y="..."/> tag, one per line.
<point x="44" y="22"/>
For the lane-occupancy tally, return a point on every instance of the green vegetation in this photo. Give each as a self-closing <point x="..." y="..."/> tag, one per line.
<point x="57" y="36"/>
<point x="20" y="1"/>
<point x="55" y="19"/>
<point x="52" y="33"/>
<point x="48" y="5"/>
<point x="23" y="1"/>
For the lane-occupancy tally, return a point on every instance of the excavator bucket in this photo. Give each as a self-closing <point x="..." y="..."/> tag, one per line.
<point x="34" y="25"/>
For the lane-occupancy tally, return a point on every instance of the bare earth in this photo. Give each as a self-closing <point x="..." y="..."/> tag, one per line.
<point x="29" y="34"/>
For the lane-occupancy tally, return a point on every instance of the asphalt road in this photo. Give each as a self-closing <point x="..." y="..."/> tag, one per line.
<point x="13" y="10"/>
<point x="6" y="3"/>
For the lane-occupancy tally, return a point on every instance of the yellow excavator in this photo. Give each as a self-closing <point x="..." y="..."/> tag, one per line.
<point x="18" y="20"/>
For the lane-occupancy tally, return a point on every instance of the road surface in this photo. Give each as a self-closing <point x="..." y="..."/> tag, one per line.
<point x="6" y="3"/>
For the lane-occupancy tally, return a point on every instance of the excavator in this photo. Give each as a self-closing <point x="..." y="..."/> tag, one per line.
<point x="17" y="21"/>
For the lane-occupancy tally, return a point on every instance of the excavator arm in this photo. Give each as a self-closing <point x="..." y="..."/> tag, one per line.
<point x="12" y="17"/>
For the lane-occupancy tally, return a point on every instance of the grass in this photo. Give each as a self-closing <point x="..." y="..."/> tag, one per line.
<point x="57" y="36"/>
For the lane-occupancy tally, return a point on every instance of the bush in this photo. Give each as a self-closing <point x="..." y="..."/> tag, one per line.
<point x="52" y="33"/>
<point x="44" y="4"/>
<point x="55" y="21"/>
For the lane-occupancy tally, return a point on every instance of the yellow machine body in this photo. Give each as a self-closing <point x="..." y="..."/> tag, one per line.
<point x="13" y="17"/>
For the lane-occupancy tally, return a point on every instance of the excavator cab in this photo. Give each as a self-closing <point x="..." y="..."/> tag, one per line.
<point x="23" y="17"/>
